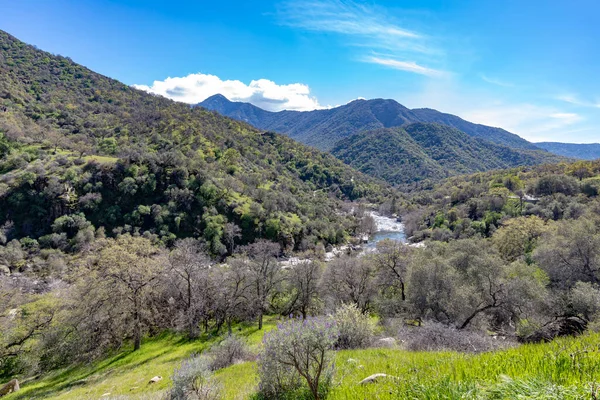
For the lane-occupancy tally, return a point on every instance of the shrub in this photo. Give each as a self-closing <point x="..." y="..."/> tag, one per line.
<point x="439" y="337"/>
<point x="228" y="352"/>
<point x="297" y="351"/>
<point x="194" y="380"/>
<point x="355" y="328"/>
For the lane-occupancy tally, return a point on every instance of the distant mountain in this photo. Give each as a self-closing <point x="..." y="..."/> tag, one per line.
<point x="323" y="128"/>
<point x="427" y="150"/>
<point x="573" y="150"/>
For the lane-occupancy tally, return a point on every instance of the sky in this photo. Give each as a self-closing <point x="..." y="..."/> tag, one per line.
<point x="528" y="66"/>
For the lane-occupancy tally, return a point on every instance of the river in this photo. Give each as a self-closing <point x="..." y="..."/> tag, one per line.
<point x="387" y="228"/>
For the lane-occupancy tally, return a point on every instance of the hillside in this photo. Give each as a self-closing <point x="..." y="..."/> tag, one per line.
<point x="420" y="151"/>
<point x="589" y="151"/>
<point x="75" y="142"/>
<point x="323" y="128"/>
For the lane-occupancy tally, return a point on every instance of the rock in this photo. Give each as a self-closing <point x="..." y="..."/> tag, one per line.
<point x="4" y="270"/>
<point x="387" y="342"/>
<point x="375" y="378"/>
<point x="10" y="387"/>
<point x="156" y="379"/>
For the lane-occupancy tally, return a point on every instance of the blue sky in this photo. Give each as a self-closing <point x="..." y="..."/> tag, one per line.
<point x="529" y="66"/>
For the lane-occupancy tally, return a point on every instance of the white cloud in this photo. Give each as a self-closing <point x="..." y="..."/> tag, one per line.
<point x="363" y="26"/>
<point x="496" y="82"/>
<point x="571" y="99"/>
<point x="409" y="66"/>
<point x="263" y="93"/>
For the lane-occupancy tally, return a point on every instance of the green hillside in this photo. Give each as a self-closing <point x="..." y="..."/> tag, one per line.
<point x="420" y="151"/>
<point x="77" y="142"/>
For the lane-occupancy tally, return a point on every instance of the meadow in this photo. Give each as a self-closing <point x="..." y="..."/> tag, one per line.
<point x="567" y="368"/>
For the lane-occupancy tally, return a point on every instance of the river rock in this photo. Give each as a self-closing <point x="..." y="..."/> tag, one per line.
<point x="375" y="378"/>
<point x="10" y="387"/>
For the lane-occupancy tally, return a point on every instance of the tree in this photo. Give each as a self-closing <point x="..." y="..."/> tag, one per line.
<point x="264" y="273"/>
<point x="350" y="279"/>
<point x="571" y="252"/>
<point x="305" y="348"/>
<point x="581" y="170"/>
<point x="392" y="260"/>
<point x="304" y="279"/>
<point x="129" y="267"/>
<point x="190" y="266"/>
<point x="230" y="234"/>
<point x="517" y="237"/>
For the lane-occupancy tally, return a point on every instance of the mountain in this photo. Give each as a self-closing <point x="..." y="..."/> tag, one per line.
<point x="419" y="151"/>
<point x="323" y="128"/>
<point x="583" y="151"/>
<point x="80" y="151"/>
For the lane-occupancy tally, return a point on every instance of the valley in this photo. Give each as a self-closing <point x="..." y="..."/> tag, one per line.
<point x="158" y="249"/>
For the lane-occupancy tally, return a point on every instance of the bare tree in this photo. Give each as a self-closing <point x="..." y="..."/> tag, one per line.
<point x="304" y="279"/>
<point x="350" y="279"/>
<point x="230" y="234"/>
<point x="190" y="266"/>
<point x="264" y="274"/>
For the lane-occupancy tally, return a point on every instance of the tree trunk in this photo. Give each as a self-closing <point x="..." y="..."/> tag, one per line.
<point x="137" y="329"/>
<point x="260" y="319"/>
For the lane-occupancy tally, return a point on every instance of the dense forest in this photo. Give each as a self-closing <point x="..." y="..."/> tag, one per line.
<point x="426" y="151"/>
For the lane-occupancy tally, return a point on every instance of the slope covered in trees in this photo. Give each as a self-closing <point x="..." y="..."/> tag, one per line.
<point x="82" y="152"/>
<point x="584" y="151"/>
<point x="323" y="128"/>
<point x="420" y="151"/>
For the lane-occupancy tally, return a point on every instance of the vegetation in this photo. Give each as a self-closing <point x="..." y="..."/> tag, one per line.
<point x="323" y="128"/>
<point x="140" y="238"/>
<point x="589" y="151"/>
<point x="427" y="151"/>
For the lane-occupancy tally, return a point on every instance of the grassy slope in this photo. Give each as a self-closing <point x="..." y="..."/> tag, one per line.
<point x="564" y="369"/>
<point x="127" y="373"/>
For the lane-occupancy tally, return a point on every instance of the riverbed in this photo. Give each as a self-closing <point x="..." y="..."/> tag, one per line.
<point x="387" y="228"/>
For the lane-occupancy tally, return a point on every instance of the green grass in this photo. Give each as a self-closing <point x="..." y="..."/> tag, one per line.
<point x="564" y="369"/>
<point x="127" y="373"/>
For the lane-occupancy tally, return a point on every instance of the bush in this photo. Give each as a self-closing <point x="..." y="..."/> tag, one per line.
<point x="439" y="337"/>
<point x="297" y="351"/>
<point x="355" y="328"/>
<point x="228" y="352"/>
<point x="194" y="380"/>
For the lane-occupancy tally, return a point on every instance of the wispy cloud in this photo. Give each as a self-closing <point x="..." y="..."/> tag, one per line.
<point x="368" y="27"/>
<point x="263" y="93"/>
<point x="496" y="82"/>
<point x="409" y="66"/>
<point x="572" y="99"/>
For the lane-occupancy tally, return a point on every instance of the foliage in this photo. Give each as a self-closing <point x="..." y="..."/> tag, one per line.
<point x="193" y="380"/>
<point x="355" y="329"/>
<point x="298" y="350"/>
<point x="422" y="151"/>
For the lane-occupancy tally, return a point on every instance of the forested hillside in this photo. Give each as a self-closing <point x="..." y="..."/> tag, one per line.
<point x="323" y="128"/>
<point x="420" y="151"/>
<point x="584" y="151"/>
<point x="82" y="152"/>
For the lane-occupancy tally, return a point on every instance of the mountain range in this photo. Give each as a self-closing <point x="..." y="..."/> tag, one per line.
<point x="583" y="151"/>
<point x="383" y="138"/>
